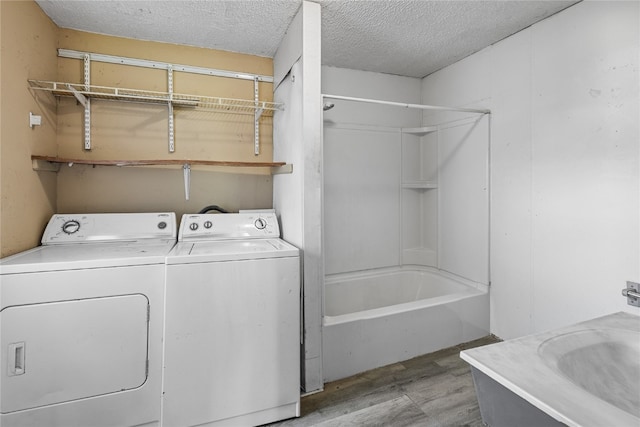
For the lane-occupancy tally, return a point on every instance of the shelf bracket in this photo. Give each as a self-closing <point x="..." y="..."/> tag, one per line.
<point x="172" y="146"/>
<point x="186" y="171"/>
<point x="87" y="103"/>
<point x="44" y="166"/>
<point x="278" y="170"/>
<point x="79" y="96"/>
<point x="256" y="119"/>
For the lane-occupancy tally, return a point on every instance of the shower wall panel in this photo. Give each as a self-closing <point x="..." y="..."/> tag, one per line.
<point x="362" y="168"/>
<point x="463" y="203"/>
<point x="362" y="199"/>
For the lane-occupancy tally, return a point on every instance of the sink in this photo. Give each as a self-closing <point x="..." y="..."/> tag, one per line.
<point x="604" y="362"/>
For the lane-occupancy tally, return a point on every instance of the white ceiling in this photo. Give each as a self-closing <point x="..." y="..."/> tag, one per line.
<point x="405" y="37"/>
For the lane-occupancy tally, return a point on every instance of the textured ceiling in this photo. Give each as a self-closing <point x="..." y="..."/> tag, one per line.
<point x="405" y="37"/>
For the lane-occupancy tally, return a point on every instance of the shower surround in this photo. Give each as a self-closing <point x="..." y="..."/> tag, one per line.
<point x="406" y="210"/>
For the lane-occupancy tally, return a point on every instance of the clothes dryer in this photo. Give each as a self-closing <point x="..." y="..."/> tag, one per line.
<point x="81" y="322"/>
<point x="232" y="323"/>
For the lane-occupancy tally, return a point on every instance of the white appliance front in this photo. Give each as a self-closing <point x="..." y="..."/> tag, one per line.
<point x="232" y="333"/>
<point x="81" y="334"/>
<point x="69" y="359"/>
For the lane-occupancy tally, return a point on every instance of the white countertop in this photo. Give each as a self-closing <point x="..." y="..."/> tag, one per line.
<point x="534" y="369"/>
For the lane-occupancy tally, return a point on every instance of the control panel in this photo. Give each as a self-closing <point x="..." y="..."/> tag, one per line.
<point x="229" y="226"/>
<point x="78" y="228"/>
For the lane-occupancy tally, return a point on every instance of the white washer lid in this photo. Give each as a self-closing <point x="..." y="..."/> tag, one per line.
<point x="230" y="250"/>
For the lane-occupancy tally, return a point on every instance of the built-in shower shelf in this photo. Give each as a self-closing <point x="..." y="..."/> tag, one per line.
<point x="420" y="131"/>
<point x="420" y="185"/>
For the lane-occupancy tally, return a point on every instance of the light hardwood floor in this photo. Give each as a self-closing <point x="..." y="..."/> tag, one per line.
<point x="431" y="390"/>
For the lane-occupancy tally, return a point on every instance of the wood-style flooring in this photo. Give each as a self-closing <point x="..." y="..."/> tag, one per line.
<point x="431" y="390"/>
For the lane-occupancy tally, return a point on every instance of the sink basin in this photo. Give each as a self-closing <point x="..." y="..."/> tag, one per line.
<point x="604" y="362"/>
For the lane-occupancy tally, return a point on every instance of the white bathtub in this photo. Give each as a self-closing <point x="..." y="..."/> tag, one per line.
<point x="385" y="316"/>
<point x="587" y="374"/>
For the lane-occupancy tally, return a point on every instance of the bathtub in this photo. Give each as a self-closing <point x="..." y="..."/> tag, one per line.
<point x="586" y="374"/>
<point x="384" y="316"/>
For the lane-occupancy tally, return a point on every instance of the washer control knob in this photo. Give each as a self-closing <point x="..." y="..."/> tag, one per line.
<point x="71" y="226"/>
<point x="208" y="224"/>
<point x="193" y="226"/>
<point x="162" y="225"/>
<point x="261" y="223"/>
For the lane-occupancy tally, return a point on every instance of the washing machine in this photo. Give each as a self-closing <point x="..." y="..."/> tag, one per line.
<point x="81" y="320"/>
<point x="232" y="323"/>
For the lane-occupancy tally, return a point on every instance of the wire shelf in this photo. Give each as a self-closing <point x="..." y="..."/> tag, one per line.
<point x="178" y="100"/>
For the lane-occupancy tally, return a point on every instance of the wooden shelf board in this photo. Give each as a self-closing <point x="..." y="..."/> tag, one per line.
<point x="39" y="163"/>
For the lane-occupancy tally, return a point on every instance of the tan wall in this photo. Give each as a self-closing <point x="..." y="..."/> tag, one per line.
<point x="29" y="42"/>
<point x="119" y="130"/>
<point x="135" y="131"/>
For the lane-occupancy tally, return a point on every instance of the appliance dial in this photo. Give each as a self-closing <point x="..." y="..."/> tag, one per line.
<point x="71" y="226"/>
<point x="193" y="226"/>
<point x="162" y="225"/>
<point x="261" y="223"/>
<point x="208" y="224"/>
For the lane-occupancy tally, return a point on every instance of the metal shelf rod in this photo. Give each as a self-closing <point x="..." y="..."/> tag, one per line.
<point x="172" y="146"/>
<point x="87" y="104"/>
<point x="73" y="54"/>
<point x="256" y="119"/>
<point x="404" y="105"/>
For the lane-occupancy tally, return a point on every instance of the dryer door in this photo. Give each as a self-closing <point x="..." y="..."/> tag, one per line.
<point x="62" y="351"/>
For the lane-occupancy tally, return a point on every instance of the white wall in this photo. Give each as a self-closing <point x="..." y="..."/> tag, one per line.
<point x="565" y="139"/>
<point x="463" y="197"/>
<point x="297" y="197"/>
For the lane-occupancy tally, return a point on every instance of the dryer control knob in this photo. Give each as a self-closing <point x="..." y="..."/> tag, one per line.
<point x="261" y="223"/>
<point x="193" y="226"/>
<point x="71" y="226"/>
<point x="208" y="224"/>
